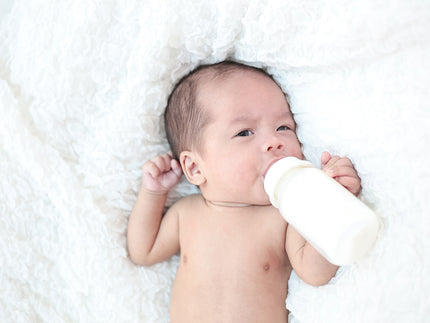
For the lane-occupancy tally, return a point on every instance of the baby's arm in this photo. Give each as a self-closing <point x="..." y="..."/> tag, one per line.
<point x="152" y="238"/>
<point x="305" y="259"/>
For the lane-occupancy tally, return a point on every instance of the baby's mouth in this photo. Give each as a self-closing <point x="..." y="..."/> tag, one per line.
<point x="270" y="164"/>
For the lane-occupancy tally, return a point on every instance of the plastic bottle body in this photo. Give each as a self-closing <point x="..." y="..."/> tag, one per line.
<point x="328" y="216"/>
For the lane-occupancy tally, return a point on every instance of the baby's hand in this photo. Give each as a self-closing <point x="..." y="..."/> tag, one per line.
<point x="342" y="170"/>
<point x="160" y="174"/>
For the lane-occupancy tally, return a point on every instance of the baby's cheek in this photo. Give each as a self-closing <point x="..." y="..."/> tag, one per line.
<point x="245" y="177"/>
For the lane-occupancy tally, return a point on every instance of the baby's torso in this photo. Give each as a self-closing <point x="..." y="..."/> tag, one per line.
<point x="233" y="266"/>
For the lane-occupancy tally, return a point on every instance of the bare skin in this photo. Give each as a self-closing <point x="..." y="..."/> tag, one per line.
<point x="237" y="252"/>
<point x="234" y="267"/>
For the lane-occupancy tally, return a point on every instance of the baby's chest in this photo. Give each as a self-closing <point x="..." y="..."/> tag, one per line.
<point x="252" y="247"/>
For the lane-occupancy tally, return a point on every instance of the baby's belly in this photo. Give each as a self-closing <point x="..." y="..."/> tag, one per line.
<point x="230" y="292"/>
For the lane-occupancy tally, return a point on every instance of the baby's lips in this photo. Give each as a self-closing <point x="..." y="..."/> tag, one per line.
<point x="270" y="165"/>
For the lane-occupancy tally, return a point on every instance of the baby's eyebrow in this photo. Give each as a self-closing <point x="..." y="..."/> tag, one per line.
<point x="241" y="119"/>
<point x="284" y="115"/>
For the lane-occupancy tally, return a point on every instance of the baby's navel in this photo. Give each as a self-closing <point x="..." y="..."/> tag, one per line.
<point x="266" y="266"/>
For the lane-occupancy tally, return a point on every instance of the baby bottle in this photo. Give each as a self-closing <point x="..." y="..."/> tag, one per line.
<point x="328" y="216"/>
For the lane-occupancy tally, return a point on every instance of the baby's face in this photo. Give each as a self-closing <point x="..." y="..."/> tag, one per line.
<point x="251" y="127"/>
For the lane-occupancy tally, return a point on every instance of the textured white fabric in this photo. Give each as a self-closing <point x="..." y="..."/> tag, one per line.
<point x="83" y="86"/>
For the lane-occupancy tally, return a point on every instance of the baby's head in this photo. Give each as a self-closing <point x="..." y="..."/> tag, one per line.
<point x="226" y="123"/>
<point x="185" y="118"/>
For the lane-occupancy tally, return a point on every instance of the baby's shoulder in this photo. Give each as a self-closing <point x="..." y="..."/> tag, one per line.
<point x="188" y="203"/>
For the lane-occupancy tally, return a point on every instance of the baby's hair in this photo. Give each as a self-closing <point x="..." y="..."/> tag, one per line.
<point x="184" y="118"/>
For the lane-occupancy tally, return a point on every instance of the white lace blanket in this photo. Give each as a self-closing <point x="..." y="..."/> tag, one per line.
<point x="83" y="85"/>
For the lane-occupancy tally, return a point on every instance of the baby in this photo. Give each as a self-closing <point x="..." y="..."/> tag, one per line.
<point x="226" y="124"/>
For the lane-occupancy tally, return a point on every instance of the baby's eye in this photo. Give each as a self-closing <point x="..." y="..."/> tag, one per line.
<point x="244" y="133"/>
<point x="283" y="128"/>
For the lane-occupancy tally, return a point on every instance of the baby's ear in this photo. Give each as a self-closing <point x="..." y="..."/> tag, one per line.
<point x="190" y="166"/>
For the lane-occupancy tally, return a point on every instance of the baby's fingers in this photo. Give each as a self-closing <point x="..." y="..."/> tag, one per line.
<point x="176" y="167"/>
<point x="339" y="171"/>
<point x="157" y="165"/>
<point x="352" y="184"/>
<point x="332" y="161"/>
<point x="163" y="162"/>
<point x="161" y="173"/>
<point x="325" y="158"/>
<point x="343" y="171"/>
<point x="150" y="168"/>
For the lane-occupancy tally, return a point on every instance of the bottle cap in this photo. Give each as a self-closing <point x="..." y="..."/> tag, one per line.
<point x="277" y="171"/>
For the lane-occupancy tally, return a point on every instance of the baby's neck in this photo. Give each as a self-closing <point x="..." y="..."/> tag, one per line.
<point x="227" y="204"/>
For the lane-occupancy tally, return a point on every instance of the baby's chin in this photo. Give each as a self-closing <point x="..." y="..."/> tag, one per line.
<point x="259" y="197"/>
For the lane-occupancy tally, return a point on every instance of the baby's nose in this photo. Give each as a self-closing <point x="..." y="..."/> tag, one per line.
<point x="274" y="147"/>
<point x="274" y="144"/>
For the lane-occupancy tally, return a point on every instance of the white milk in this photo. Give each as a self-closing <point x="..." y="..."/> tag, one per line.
<point x="328" y="216"/>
